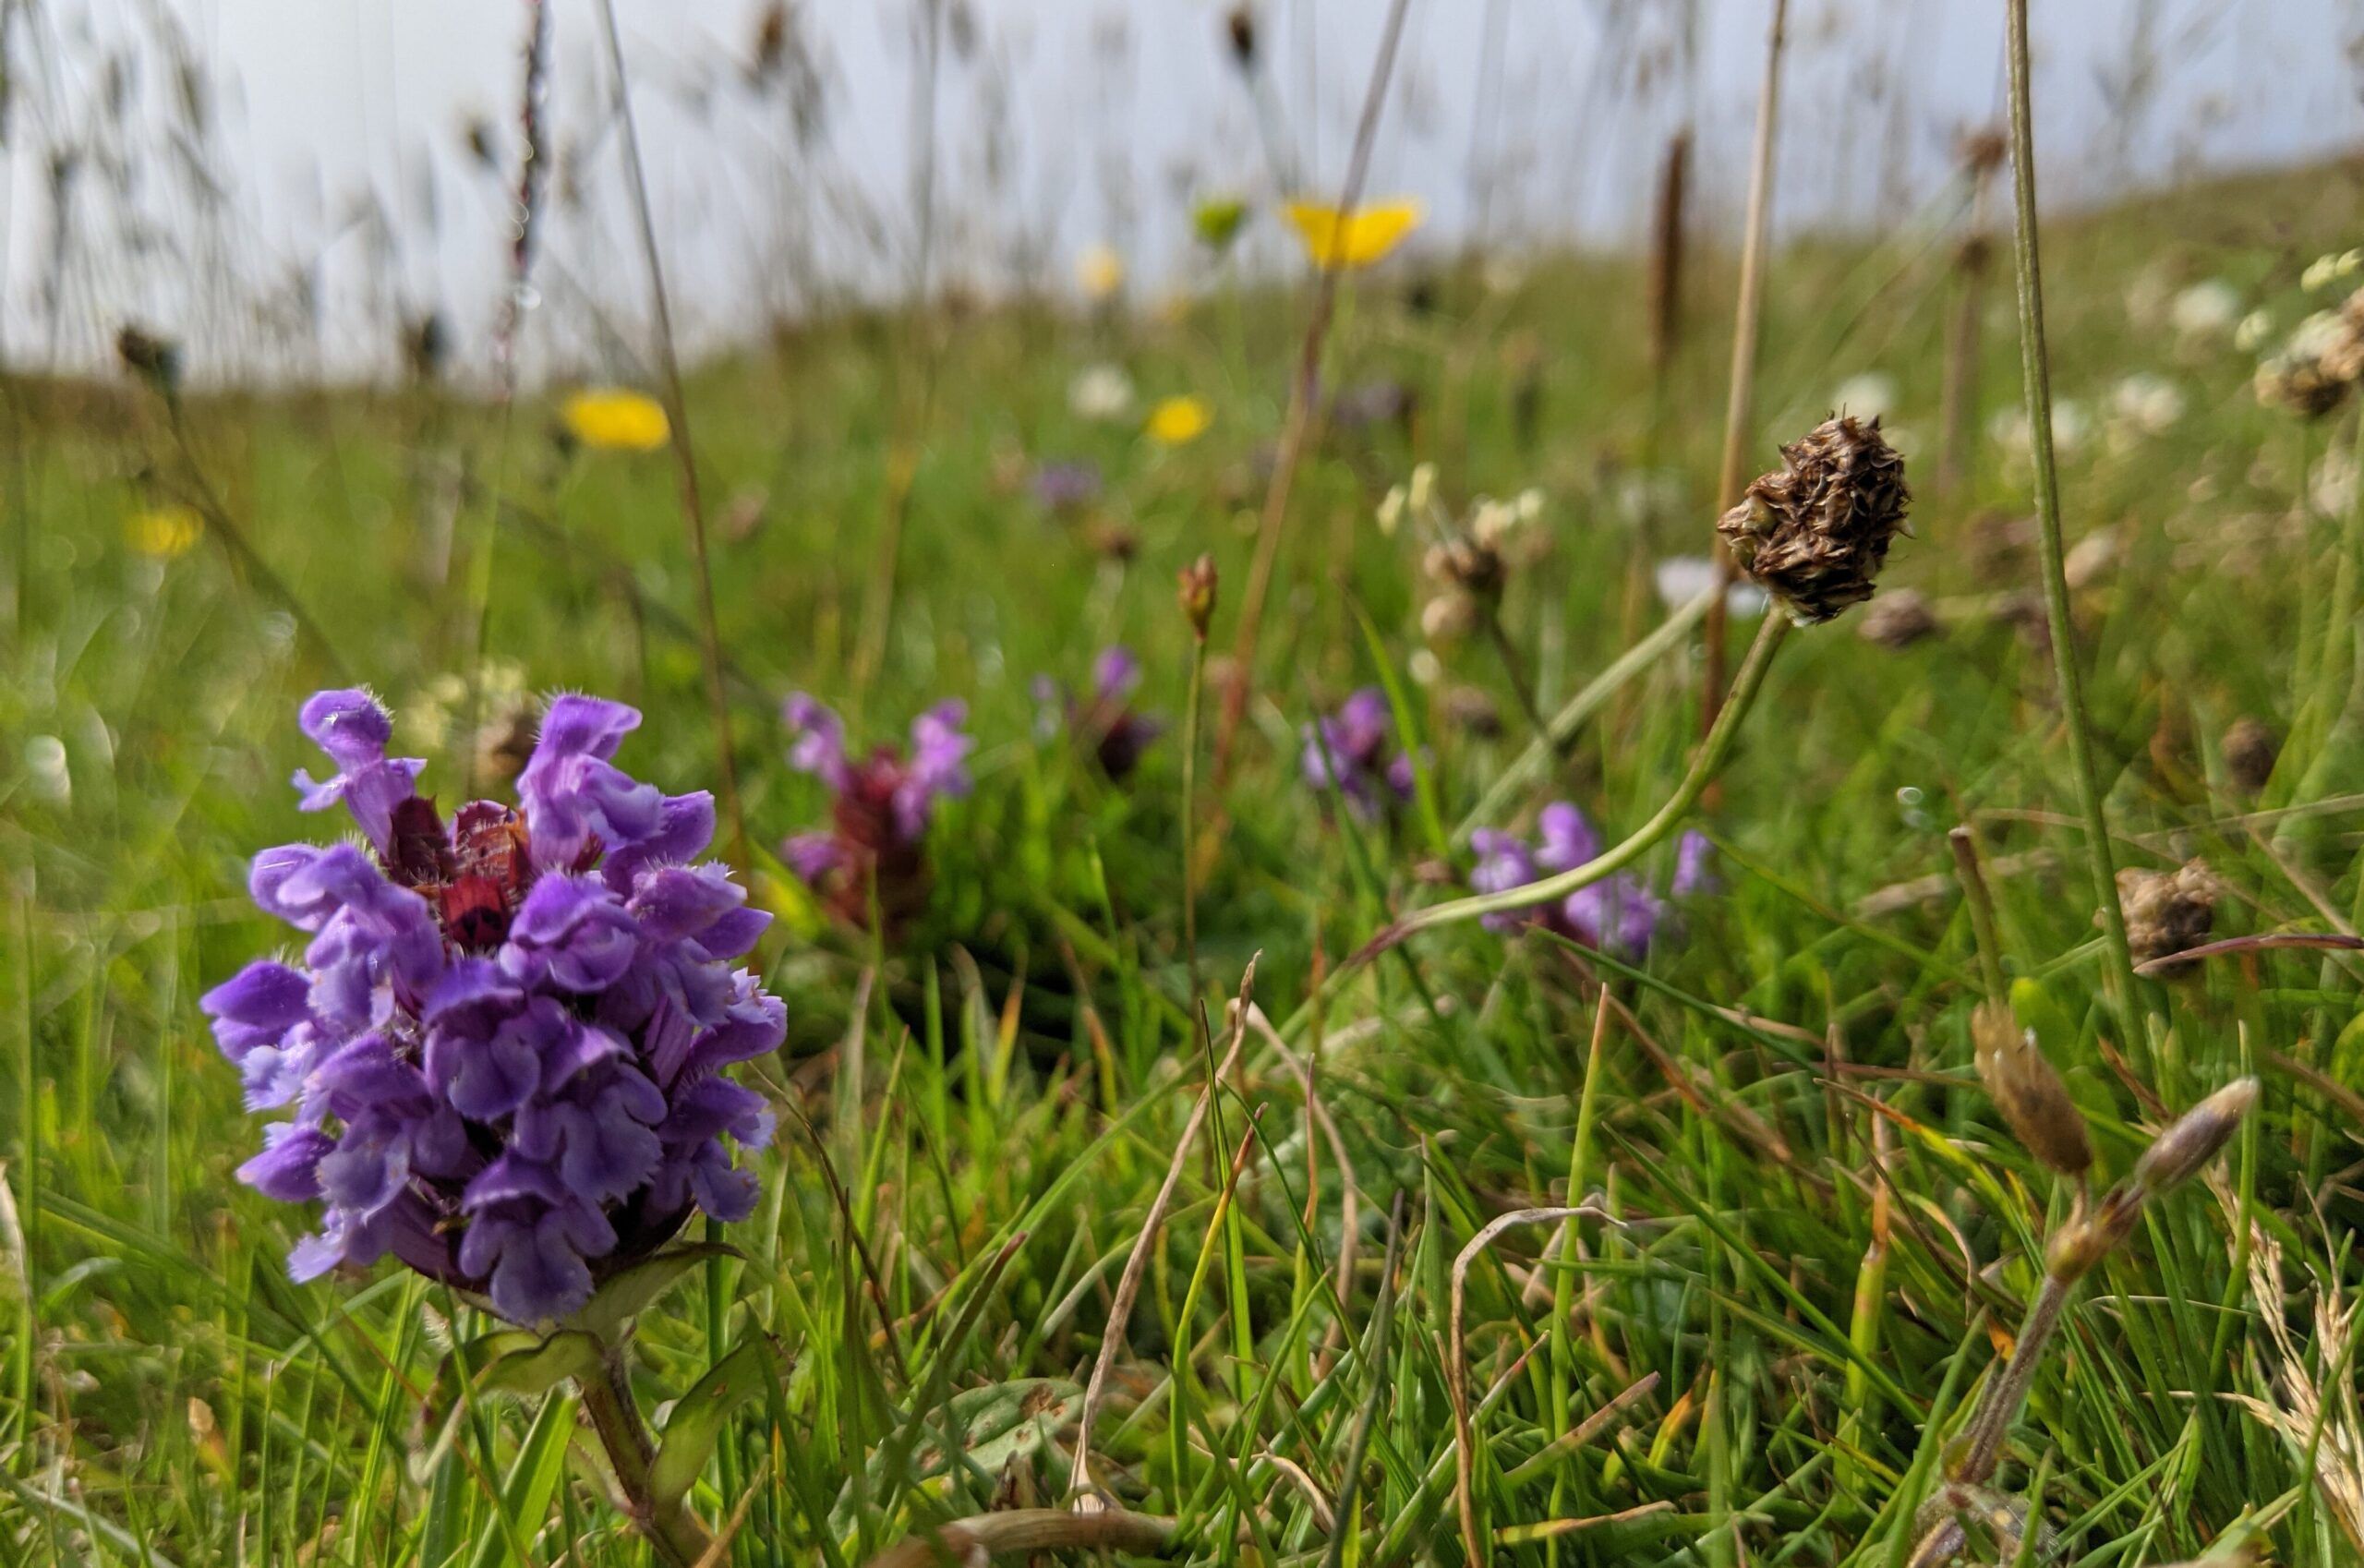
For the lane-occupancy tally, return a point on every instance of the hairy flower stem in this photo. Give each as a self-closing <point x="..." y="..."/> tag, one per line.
<point x="1983" y="1438"/>
<point x="2036" y="374"/>
<point x="675" y="1533"/>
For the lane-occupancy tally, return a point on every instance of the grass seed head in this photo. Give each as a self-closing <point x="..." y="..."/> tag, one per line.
<point x="2195" y="1137"/>
<point x="2029" y="1091"/>
<point x="1814" y="532"/>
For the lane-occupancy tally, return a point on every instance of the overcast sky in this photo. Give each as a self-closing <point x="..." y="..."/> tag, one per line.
<point x="329" y="187"/>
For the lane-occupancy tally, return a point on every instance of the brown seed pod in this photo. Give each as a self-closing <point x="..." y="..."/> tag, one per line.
<point x="2028" y="1090"/>
<point x="2194" y="1138"/>
<point x="1898" y="620"/>
<point x="1814" y="533"/>
<point x="2167" y="911"/>
<point x="1197" y="593"/>
<point x="2250" y="751"/>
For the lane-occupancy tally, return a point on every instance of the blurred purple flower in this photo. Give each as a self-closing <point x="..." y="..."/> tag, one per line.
<point x="1105" y="725"/>
<point x="875" y="845"/>
<point x="1067" y="485"/>
<point x="504" y="1045"/>
<point x="1350" y="751"/>
<point x="1621" y="914"/>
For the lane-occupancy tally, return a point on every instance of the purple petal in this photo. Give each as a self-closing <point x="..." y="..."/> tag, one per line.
<point x="818" y="739"/>
<point x="284" y="1169"/>
<point x="675" y="902"/>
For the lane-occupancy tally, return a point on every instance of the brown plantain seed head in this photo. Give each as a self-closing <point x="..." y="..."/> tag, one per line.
<point x="1814" y="533"/>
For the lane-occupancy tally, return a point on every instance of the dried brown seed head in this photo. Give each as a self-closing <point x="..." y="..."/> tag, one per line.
<point x="1468" y="564"/>
<point x="1240" y="27"/>
<point x="156" y="360"/>
<point x="2167" y="911"/>
<point x="1898" y="618"/>
<point x="2194" y="1138"/>
<point x="1197" y="594"/>
<point x="2250" y="751"/>
<point x="1814" y="533"/>
<point x="2028" y="1090"/>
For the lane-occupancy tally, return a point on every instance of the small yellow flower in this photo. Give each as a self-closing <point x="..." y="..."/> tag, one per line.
<point x="163" y="533"/>
<point x="1354" y="239"/>
<point x="1100" y="273"/>
<point x="616" y="419"/>
<point x="1177" y="421"/>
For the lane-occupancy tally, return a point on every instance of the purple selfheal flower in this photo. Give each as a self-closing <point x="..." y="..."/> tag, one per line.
<point x="353" y="729"/>
<point x="877" y="843"/>
<point x="503" y="1040"/>
<point x="1348" y="751"/>
<point x="1107" y="726"/>
<point x="1066" y="486"/>
<point x="1621" y="914"/>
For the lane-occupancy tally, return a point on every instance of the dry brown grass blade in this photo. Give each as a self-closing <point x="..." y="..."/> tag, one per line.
<point x="1129" y="1285"/>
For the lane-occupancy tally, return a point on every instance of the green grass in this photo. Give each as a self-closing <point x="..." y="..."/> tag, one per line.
<point x="1819" y="1228"/>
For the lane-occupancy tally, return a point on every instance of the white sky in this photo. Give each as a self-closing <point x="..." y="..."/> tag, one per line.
<point x="331" y="189"/>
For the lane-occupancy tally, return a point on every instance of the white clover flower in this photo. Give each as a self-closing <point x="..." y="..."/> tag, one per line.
<point x="2255" y="328"/>
<point x="1101" y="392"/>
<point x="2330" y="268"/>
<point x="2206" y="311"/>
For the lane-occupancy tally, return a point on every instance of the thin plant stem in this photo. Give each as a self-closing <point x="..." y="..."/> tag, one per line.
<point x="1298" y="427"/>
<point x="1982" y="911"/>
<point x="2036" y="374"/>
<point x="1747" y="321"/>
<point x="677" y="414"/>
<point x="1983" y="1438"/>
<point x="1521" y="687"/>
<point x="1190" y="710"/>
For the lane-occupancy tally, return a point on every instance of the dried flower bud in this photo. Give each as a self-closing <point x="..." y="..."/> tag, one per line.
<point x="1198" y="595"/>
<point x="427" y="345"/>
<point x="1814" y="533"/>
<point x="1472" y="712"/>
<point x="2167" y="911"/>
<point x="2194" y="1138"/>
<point x="154" y="359"/>
<point x="1240" y="26"/>
<point x="2028" y="1090"/>
<point x="1898" y="620"/>
<point x="2079" y="1245"/>
<point x="1982" y="151"/>
<point x="2250" y="751"/>
<point x="1467" y="563"/>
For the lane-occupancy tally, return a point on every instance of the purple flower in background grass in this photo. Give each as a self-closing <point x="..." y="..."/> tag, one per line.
<point x="1104" y="724"/>
<point x="1352" y="751"/>
<point x="502" y="1048"/>
<point x="1621" y="914"/>
<point x="876" y="841"/>
<point x="1066" y="486"/>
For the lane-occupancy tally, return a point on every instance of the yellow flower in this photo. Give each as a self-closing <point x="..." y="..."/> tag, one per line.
<point x="1177" y="421"/>
<point x="163" y="533"/>
<point x="616" y="419"/>
<point x="1100" y="272"/>
<point x="1354" y="239"/>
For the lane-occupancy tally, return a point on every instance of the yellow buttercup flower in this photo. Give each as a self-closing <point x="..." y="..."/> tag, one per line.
<point x="1357" y="238"/>
<point x="1177" y="421"/>
<point x="163" y="533"/>
<point x="1100" y="272"/>
<point x="616" y="419"/>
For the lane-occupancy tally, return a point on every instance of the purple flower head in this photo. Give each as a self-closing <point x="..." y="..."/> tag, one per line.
<point x="1351" y="751"/>
<point x="1104" y="725"/>
<point x="1066" y="486"/>
<point x="1621" y="914"/>
<point x="503" y="1039"/>
<point x="876" y="841"/>
<point x="353" y="728"/>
